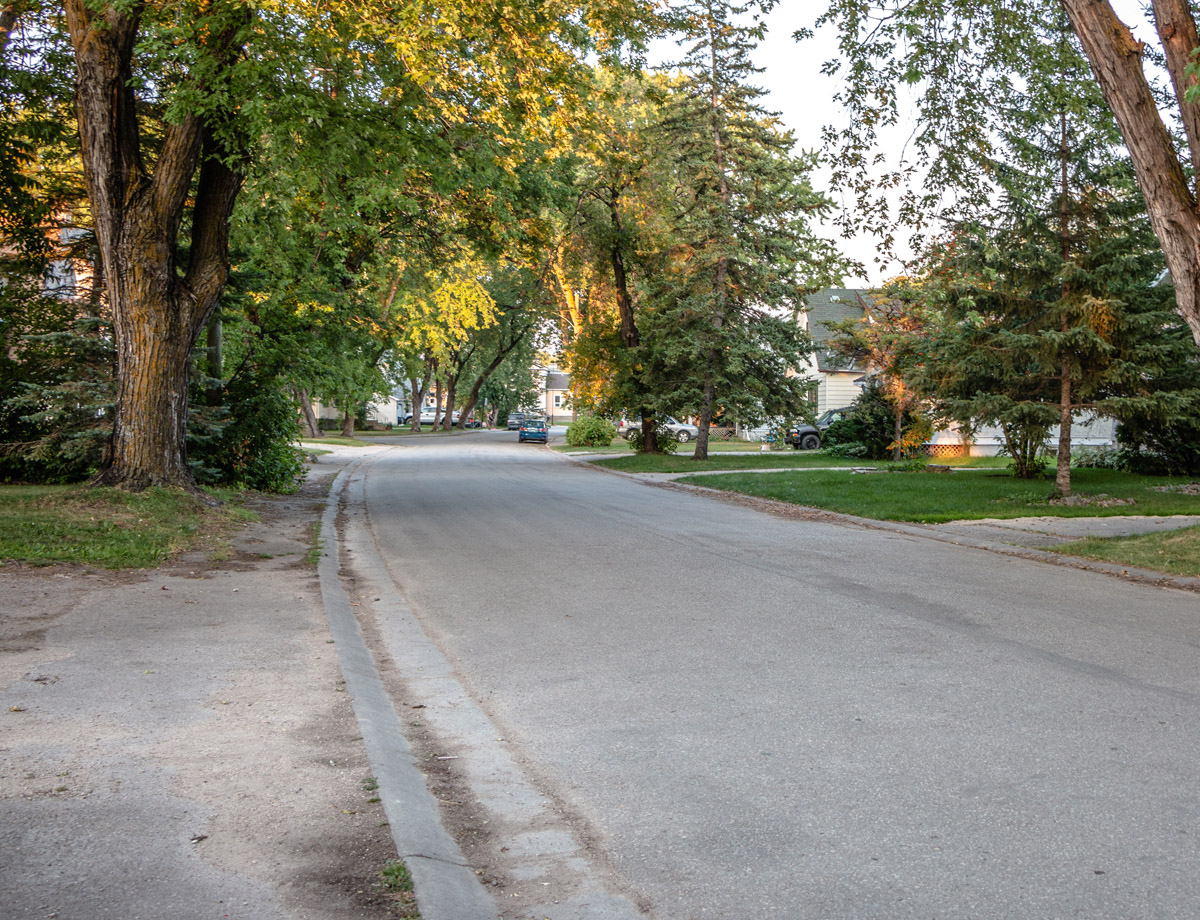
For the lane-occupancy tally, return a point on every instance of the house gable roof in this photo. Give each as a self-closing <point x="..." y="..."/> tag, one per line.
<point x="833" y="305"/>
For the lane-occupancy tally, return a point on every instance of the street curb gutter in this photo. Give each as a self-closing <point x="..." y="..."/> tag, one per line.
<point x="446" y="887"/>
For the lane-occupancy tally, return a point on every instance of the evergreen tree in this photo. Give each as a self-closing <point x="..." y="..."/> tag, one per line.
<point x="1047" y="302"/>
<point x="741" y="252"/>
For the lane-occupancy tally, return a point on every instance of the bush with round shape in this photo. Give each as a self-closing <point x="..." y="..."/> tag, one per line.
<point x="590" y="431"/>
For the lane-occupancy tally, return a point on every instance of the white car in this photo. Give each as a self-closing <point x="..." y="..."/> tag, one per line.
<point x="427" y="416"/>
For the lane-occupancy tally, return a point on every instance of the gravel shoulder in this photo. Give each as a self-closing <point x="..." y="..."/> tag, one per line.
<point x="178" y="742"/>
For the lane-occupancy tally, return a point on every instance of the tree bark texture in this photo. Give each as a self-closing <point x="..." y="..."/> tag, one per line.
<point x="215" y="361"/>
<point x="418" y="389"/>
<point x="158" y="313"/>
<point x="1062" y="474"/>
<point x="629" y="331"/>
<point x="1116" y="61"/>
<point x="312" y="428"/>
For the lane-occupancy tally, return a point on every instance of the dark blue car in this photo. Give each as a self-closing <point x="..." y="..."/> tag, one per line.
<point x="533" y="429"/>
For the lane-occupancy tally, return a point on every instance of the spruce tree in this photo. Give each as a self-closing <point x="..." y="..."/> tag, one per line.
<point x="1047" y="300"/>
<point x="742" y="252"/>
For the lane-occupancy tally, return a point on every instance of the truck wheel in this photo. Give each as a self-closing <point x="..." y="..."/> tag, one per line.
<point x="810" y="442"/>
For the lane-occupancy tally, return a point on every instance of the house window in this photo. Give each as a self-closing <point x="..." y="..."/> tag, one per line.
<point x="558" y="400"/>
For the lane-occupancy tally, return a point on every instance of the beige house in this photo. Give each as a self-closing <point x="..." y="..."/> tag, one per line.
<point x="555" y="396"/>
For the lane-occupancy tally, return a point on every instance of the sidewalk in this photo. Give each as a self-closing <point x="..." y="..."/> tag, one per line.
<point x="178" y="743"/>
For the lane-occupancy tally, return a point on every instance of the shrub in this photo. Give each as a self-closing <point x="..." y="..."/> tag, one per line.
<point x="590" y="431"/>
<point x="663" y="436"/>
<point x="852" y="449"/>
<point x="1166" y="446"/>
<point x="872" y="425"/>
<point x="249" y="442"/>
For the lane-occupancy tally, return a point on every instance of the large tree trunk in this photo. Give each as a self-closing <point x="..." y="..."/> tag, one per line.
<point x="312" y="428"/>
<point x="629" y="330"/>
<point x="649" y="433"/>
<point x="451" y="392"/>
<point x="1116" y="60"/>
<point x="157" y="314"/>
<point x="1062" y="476"/>
<point x="898" y="432"/>
<point x="704" y="422"/>
<point x="417" y="388"/>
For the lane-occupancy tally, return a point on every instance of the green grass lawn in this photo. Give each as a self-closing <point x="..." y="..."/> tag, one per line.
<point x="757" y="460"/>
<point x="107" y="528"/>
<point x="1175" y="551"/>
<point x="934" y="498"/>
<point x="620" y="445"/>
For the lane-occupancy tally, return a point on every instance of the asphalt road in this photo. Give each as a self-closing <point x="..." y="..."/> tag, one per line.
<point x="750" y="716"/>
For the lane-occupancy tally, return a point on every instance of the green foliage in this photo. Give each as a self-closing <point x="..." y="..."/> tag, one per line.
<point x="395" y="876"/>
<point x="591" y="431"/>
<point x="56" y="388"/>
<point x="248" y="443"/>
<point x="869" y="430"/>
<point x="957" y="69"/>
<point x="664" y="441"/>
<point x="1042" y="300"/>
<point x="1162" y="445"/>
<point x="741" y="249"/>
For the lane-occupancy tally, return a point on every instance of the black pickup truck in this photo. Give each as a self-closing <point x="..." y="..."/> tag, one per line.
<point x="803" y="437"/>
<point x="808" y="437"/>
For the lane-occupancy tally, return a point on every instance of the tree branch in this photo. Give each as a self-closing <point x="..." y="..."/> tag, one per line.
<point x="1177" y="30"/>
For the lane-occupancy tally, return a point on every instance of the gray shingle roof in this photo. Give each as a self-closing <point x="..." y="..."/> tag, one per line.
<point x="833" y="305"/>
<point x="556" y="380"/>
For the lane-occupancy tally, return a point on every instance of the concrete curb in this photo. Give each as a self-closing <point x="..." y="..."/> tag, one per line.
<point x="446" y="887"/>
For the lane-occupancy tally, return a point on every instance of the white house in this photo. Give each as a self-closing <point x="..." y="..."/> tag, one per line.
<point x="839" y="382"/>
<point x="555" y="396"/>
<point x="835" y="376"/>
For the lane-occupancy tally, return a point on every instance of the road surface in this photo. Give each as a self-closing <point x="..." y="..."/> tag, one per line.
<point x="736" y="715"/>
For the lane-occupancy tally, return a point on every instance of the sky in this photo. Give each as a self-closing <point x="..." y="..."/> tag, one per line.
<point x="803" y="97"/>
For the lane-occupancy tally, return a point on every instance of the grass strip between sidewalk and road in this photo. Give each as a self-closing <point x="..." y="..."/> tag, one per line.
<point x="758" y="460"/>
<point x="109" y="528"/>
<point x="1174" y="551"/>
<point x="934" y="498"/>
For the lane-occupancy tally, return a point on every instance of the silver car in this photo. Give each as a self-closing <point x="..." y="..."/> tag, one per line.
<point x="683" y="432"/>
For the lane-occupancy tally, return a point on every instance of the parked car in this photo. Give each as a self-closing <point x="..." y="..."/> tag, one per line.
<point x="515" y="419"/>
<point x="803" y="437"/>
<point x="682" y="431"/>
<point x="829" y="416"/>
<point x="808" y="437"/>
<point x="533" y="429"/>
<point x="427" y="416"/>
